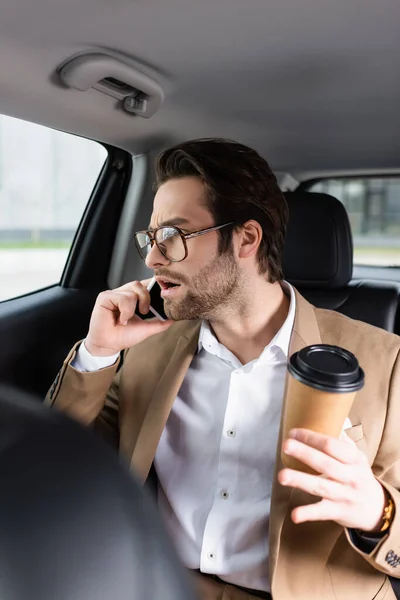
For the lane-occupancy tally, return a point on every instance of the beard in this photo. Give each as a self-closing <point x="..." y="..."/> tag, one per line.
<point x="209" y="293"/>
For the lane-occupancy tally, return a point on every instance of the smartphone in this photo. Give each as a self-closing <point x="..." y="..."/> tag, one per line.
<point x="156" y="303"/>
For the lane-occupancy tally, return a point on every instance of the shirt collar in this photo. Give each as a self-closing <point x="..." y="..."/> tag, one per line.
<point x="209" y="342"/>
<point x="282" y="338"/>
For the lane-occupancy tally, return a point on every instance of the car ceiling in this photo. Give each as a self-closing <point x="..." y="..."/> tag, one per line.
<point x="311" y="84"/>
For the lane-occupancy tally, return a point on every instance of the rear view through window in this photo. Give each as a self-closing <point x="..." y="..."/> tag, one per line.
<point x="46" y="178"/>
<point x="373" y="206"/>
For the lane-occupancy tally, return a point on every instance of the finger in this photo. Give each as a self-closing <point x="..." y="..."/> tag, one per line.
<point x="325" y="510"/>
<point x="123" y="303"/>
<point x="128" y="306"/>
<point x="346" y="438"/>
<point x="331" y="446"/>
<point x="145" y="282"/>
<point x="149" y="327"/>
<point x="319" y="461"/>
<point x="133" y="286"/>
<point x="141" y="297"/>
<point x="316" y="485"/>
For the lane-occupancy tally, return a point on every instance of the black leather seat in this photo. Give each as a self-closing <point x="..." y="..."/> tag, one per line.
<point x="74" y="525"/>
<point x="318" y="261"/>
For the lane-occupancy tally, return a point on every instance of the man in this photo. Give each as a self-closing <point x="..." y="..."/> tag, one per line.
<point x="200" y="396"/>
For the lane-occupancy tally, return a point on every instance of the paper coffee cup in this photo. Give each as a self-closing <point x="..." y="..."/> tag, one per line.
<point x="322" y="383"/>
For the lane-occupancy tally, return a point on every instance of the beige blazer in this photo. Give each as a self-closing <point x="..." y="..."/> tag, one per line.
<point x="311" y="561"/>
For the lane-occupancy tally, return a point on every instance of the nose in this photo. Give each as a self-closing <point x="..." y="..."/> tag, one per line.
<point x="155" y="259"/>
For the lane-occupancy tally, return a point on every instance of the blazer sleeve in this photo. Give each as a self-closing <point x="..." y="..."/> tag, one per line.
<point x="385" y="556"/>
<point x="90" y="398"/>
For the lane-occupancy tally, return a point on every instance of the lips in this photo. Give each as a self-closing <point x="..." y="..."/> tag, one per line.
<point x="166" y="284"/>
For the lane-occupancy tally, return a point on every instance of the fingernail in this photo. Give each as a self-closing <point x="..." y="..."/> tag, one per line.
<point x="293" y="433"/>
<point x="289" y="448"/>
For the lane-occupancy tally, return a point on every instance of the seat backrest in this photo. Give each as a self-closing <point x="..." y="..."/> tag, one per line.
<point x="318" y="261"/>
<point x="74" y="524"/>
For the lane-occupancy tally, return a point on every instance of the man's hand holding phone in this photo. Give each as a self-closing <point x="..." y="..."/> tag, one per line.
<point x="114" y="326"/>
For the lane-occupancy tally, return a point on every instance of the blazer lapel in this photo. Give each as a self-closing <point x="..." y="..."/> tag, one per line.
<point x="305" y="332"/>
<point x="161" y="402"/>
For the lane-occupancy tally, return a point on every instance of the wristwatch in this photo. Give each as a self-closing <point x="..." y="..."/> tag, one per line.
<point x="388" y="515"/>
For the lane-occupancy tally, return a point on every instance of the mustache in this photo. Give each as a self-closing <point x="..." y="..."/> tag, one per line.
<point x="174" y="276"/>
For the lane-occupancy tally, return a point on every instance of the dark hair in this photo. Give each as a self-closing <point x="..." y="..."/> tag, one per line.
<point x="240" y="186"/>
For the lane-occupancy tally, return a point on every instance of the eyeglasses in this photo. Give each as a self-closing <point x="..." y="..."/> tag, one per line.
<point x="171" y="241"/>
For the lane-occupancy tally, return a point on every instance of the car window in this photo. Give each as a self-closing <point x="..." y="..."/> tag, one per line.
<point x="46" y="178"/>
<point x="373" y="206"/>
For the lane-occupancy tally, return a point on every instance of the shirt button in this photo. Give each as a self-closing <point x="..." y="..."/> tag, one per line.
<point x="225" y="494"/>
<point x="231" y="433"/>
<point x="211" y="556"/>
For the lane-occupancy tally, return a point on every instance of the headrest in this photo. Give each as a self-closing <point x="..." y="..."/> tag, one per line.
<point x="74" y="524"/>
<point x="318" y="249"/>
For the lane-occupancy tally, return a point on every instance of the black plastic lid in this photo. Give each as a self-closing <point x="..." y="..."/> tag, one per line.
<point x="327" y="368"/>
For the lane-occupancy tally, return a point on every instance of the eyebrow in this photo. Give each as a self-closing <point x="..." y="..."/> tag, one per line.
<point x="171" y="223"/>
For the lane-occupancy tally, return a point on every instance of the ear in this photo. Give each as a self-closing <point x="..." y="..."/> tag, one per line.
<point x="249" y="239"/>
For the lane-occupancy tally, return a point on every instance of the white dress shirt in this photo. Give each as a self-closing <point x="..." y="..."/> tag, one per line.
<point x="216" y="457"/>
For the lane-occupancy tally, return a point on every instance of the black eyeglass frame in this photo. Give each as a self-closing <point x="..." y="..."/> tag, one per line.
<point x="151" y="233"/>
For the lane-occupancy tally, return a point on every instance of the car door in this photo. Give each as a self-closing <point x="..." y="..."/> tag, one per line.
<point x="41" y="318"/>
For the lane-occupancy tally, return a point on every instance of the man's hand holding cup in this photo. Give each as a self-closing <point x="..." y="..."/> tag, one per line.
<point x="319" y="457"/>
<point x="350" y="494"/>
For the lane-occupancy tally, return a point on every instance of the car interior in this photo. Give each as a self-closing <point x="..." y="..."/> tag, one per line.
<point x="90" y="92"/>
<point x="313" y="87"/>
